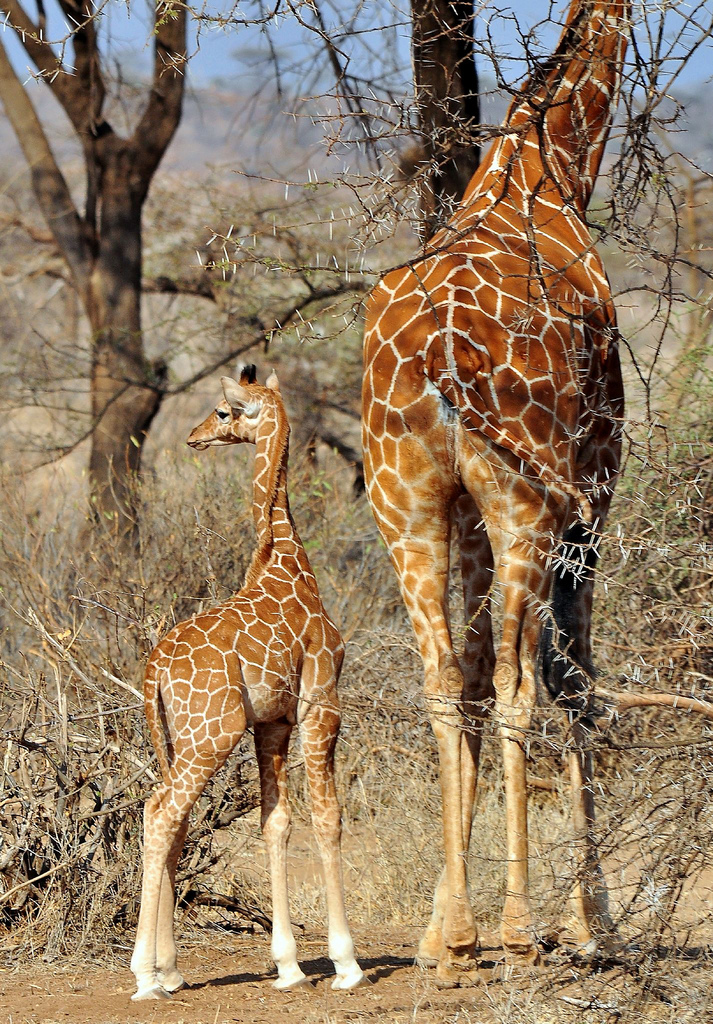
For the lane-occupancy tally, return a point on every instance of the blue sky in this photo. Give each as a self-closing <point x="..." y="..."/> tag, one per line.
<point x="226" y="53"/>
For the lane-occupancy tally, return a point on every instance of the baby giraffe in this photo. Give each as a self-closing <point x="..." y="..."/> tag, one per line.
<point x="267" y="658"/>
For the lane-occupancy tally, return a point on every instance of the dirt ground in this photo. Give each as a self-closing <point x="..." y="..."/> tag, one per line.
<point x="229" y="980"/>
<point x="229" y="976"/>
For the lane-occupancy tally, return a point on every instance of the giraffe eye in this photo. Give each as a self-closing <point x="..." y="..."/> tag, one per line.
<point x="222" y="415"/>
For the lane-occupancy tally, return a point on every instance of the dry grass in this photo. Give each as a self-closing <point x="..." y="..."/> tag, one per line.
<point x="79" y="621"/>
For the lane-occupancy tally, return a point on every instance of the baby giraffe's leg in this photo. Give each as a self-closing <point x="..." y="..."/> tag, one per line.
<point x="271" y="743"/>
<point x="168" y="975"/>
<point x="165" y="815"/>
<point x="158" y="835"/>
<point x="319" y="730"/>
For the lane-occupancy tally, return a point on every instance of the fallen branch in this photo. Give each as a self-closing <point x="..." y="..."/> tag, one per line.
<point x="624" y="701"/>
<point x="194" y="897"/>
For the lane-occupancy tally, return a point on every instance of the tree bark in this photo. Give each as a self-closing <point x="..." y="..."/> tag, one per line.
<point x="126" y="389"/>
<point x="446" y="88"/>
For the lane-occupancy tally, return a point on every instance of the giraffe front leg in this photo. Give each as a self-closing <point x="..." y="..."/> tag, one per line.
<point x="589" y="928"/>
<point x="568" y="674"/>
<point x="319" y="730"/>
<point x="271" y="743"/>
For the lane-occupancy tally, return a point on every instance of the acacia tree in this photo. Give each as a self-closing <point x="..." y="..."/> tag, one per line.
<point x="445" y="84"/>
<point x="101" y="245"/>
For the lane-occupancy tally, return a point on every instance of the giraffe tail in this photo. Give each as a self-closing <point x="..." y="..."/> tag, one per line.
<point x="156" y="718"/>
<point x="565" y="661"/>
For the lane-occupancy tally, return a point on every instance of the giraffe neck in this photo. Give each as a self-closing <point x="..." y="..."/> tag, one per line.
<point x="276" y="531"/>
<point x="569" y="104"/>
<point x="557" y="128"/>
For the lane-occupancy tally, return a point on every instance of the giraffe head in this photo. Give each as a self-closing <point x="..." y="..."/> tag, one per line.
<point x="236" y="419"/>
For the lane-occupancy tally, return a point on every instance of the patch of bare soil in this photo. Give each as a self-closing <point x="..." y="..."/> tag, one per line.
<point x="229" y="979"/>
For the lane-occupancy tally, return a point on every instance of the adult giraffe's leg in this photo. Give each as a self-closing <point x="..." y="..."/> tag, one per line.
<point x="523" y="579"/>
<point x="422" y="561"/>
<point x="568" y="674"/>
<point x="477" y="665"/>
<point x="271" y="743"/>
<point x="319" y="729"/>
<point x="412" y="482"/>
<point x="567" y="666"/>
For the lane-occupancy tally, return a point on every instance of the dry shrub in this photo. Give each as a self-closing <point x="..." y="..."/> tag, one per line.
<point x="78" y="627"/>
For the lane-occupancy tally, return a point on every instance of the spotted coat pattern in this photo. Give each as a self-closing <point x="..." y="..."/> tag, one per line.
<point x="492" y="401"/>
<point x="267" y="658"/>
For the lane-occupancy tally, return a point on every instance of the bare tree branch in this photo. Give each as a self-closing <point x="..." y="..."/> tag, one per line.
<point x="197" y="284"/>
<point x="87" y="66"/>
<point x="50" y="187"/>
<point x="161" y="117"/>
<point x="47" y="62"/>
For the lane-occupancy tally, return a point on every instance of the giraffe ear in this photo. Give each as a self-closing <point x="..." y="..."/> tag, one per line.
<point x="272" y="382"/>
<point x="236" y="395"/>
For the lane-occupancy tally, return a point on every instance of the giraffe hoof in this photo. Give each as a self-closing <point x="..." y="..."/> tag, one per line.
<point x="172" y="981"/>
<point x="292" y="981"/>
<point x="458" y="971"/>
<point x="353" y="979"/>
<point x="431" y="948"/>
<point x="522" y="955"/>
<point x="155" y="991"/>
<point x="448" y="977"/>
<point x="520" y="961"/>
<point x="575" y="939"/>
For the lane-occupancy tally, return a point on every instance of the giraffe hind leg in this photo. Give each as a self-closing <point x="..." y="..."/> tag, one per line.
<point x="319" y="730"/>
<point x="165" y="816"/>
<point x="520" y="536"/>
<point x="271" y="744"/>
<point x="478" y="662"/>
<point x="422" y="563"/>
<point x="167" y="971"/>
<point x="415" y="523"/>
<point x="568" y="674"/>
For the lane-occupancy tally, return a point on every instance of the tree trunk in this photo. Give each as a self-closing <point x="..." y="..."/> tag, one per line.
<point x="446" y="87"/>
<point x="126" y="388"/>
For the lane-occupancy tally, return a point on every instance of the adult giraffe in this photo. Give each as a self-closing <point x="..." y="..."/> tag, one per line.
<point x="492" y="400"/>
